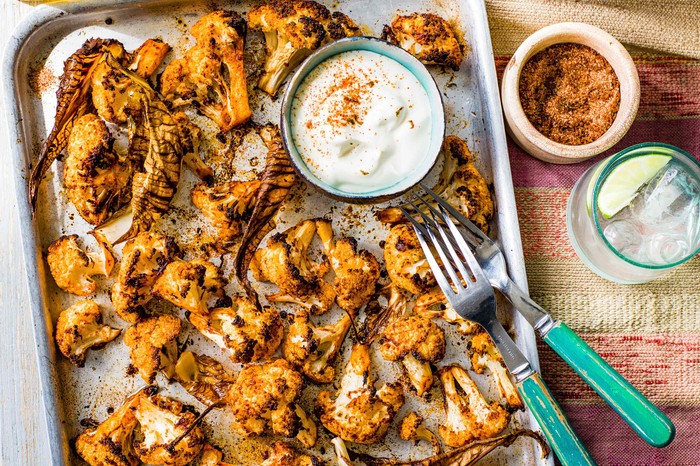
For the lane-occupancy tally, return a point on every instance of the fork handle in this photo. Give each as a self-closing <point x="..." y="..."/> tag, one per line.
<point x="560" y="435"/>
<point x="645" y="418"/>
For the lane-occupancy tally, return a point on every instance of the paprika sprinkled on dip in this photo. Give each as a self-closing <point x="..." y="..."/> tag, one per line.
<point x="361" y="121"/>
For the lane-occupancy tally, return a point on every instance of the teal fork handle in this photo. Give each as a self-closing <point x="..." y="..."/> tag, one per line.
<point x="560" y="435"/>
<point x="645" y="418"/>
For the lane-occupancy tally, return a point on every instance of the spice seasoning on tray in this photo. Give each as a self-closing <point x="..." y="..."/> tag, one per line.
<point x="570" y="93"/>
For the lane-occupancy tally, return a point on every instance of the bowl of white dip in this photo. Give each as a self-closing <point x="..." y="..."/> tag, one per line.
<point x="362" y="120"/>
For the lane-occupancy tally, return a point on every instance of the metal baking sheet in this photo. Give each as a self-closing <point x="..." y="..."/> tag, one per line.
<point x="33" y="60"/>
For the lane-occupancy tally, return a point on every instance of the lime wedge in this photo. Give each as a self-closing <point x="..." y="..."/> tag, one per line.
<point x="625" y="180"/>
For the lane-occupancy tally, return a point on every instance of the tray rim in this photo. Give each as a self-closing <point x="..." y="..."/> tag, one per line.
<point x="46" y="356"/>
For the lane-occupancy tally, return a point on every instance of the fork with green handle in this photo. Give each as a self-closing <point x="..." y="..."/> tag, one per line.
<point x="646" y="419"/>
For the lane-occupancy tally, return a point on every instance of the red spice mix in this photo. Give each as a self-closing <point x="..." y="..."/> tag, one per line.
<point x="570" y="93"/>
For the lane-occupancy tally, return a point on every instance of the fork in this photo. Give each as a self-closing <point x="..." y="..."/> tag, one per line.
<point x="646" y="419"/>
<point x="469" y="292"/>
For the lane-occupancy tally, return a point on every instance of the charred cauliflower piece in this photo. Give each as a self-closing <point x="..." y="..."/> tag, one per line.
<point x="284" y="261"/>
<point x="143" y="259"/>
<point x="412" y="428"/>
<point x="226" y="205"/>
<point x="484" y="355"/>
<point x="313" y="349"/>
<point x="161" y="421"/>
<point x="405" y="262"/>
<point x="211" y="75"/>
<point x="417" y="342"/>
<point x="203" y="377"/>
<point x="114" y="94"/>
<point x="282" y="454"/>
<point x="264" y="398"/>
<point x="248" y="332"/>
<point x="153" y="344"/>
<point x="467" y="190"/>
<point x="356" y="274"/>
<point x="73" y="269"/>
<point x="469" y="416"/>
<point x="111" y="443"/>
<point x="434" y="305"/>
<point x="293" y="30"/>
<point x="341" y="452"/>
<point x="428" y="37"/>
<point x="212" y="457"/>
<point x="359" y="413"/>
<point x="190" y="284"/>
<point x="80" y="328"/>
<point x="97" y="181"/>
<point x="147" y="58"/>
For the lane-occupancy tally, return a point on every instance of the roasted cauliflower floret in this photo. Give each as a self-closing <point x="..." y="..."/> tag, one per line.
<point x="114" y="94"/>
<point x="80" y="328"/>
<point x="161" y="421"/>
<point x="359" y="413"/>
<point x="341" y="452"/>
<point x="211" y="75"/>
<point x="226" y="205"/>
<point x="417" y="342"/>
<point x="249" y="333"/>
<point x="467" y="191"/>
<point x="97" y="180"/>
<point x="190" y="284"/>
<point x="111" y="443"/>
<point x="356" y="274"/>
<point x="73" y="269"/>
<point x="153" y="344"/>
<point x="203" y="377"/>
<point x="412" y="428"/>
<point x="484" y="355"/>
<point x="284" y="261"/>
<point x="378" y="315"/>
<point x="264" y="398"/>
<point x="313" y="349"/>
<point x="282" y="454"/>
<point x="147" y="58"/>
<point x="212" y="457"/>
<point x="469" y="416"/>
<point x="293" y="30"/>
<point x="434" y="305"/>
<point x="428" y="37"/>
<point x="143" y="259"/>
<point x="405" y="262"/>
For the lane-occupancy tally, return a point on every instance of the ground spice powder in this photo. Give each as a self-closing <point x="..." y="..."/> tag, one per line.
<point x="570" y="93"/>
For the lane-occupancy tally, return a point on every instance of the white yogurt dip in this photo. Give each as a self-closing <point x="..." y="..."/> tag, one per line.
<point x="361" y="121"/>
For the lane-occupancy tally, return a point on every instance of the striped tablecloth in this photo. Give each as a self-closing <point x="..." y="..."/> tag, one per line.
<point x="650" y="333"/>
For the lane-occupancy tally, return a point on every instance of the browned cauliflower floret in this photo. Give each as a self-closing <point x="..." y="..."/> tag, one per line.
<point x="248" y="332"/>
<point x="226" y="205"/>
<point x="212" y="457"/>
<point x="72" y="268"/>
<point x="284" y="261"/>
<point x="341" y="452"/>
<point x="115" y="96"/>
<point x="293" y="30"/>
<point x="143" y="259"/>
<point x="161" y="421"/>
<point x="359" y="413"/>
<point x="211" y="74"/>
<point x="203" y="377"/>
<point x="428" y="37"/>
<point x="356" y="274"/>
<point x="313" y="349"/>
<point x="405" y="262"/>
<point x="97" y="180"/>
<point x="147" y="58"/>
<point x="80" y="328"/>
<point x="417" y="342"/>
<point x="434" y="305"/>
<point x="264" y="398"/>
<point x="412" y="428"/>
<point x="111" y="443"/>
<point x="153" y="344"/>
<point x="469" y="416"/>
<point x="484" y="355"/>
<point x="190" y="284"/>
<point x="282" y="454"/>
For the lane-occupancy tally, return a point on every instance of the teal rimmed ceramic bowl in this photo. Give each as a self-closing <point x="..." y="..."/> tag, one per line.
<point x="437" y="120"/>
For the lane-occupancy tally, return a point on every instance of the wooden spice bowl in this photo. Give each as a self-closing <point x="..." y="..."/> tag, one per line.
<point x="526" y="135"/>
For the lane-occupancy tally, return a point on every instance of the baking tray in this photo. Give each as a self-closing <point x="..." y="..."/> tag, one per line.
<point x="32" y="61"/>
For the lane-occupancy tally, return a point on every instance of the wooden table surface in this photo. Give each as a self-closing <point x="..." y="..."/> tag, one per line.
<point x="22" y="429"/>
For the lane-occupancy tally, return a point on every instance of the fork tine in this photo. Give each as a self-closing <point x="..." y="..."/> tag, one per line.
<point x="455" y="257"/>
<point x="473" y="229"/>
<point x="464" y="248"/>
<point x="440" y="277"/>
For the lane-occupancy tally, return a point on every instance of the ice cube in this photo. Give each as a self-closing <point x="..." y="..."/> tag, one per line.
<point x="666" y="248"/>
<point x="624" y="236"/>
